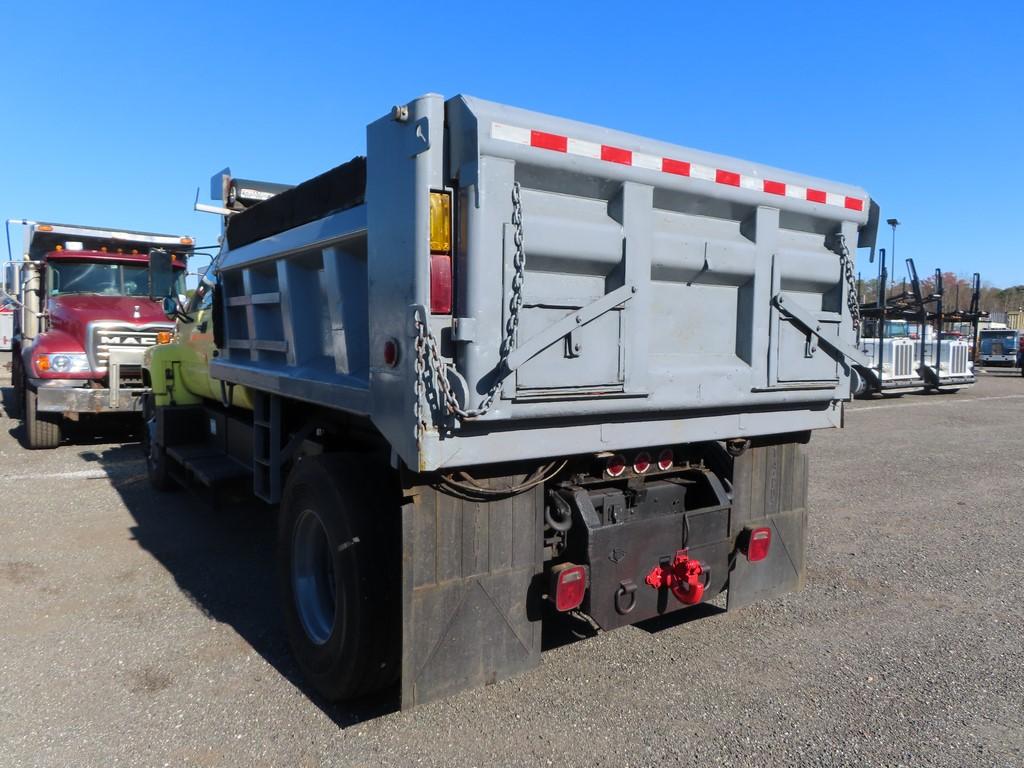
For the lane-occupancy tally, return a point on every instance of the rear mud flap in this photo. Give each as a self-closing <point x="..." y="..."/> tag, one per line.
<point x="770" y="489"/>
<point x="470" y="612"/>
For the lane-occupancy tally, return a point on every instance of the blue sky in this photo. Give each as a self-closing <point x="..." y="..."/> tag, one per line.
<point x="117" y="111"/>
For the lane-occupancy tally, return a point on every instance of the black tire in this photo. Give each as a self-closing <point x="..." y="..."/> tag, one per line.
<point x="339" y="566"/>
<point x="17" y="401"/>
<point x="42" y="430"/>
<point x="858" y="385"/>
<point x="156" y="459"/>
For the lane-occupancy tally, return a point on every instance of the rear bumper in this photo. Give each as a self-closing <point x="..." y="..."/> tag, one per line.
<point x="62" y="398"/>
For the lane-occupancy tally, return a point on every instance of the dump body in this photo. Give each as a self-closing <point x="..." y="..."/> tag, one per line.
<point x="668" y="295"/>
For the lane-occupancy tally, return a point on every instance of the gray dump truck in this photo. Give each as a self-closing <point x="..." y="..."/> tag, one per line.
<point x="509" y="368"/>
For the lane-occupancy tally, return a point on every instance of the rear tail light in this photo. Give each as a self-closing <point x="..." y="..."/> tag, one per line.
<point x="616" y="466"/>
<point x="665" y="459"/>
<point x="440" y="222"/>
<point x="440" y="284"/>
<point x="568" y="586"/>
<point x="440" y="253"/>
<point x="642" y="463"/>
<point x="756" y="543"/>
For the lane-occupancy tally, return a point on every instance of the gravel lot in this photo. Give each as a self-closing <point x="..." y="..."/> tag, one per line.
<point x="138" y="629"/>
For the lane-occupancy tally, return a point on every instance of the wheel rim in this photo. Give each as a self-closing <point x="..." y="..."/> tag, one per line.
<point x="313" y="577"/>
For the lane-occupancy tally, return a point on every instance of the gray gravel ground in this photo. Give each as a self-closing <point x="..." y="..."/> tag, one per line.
<point x="138" y="629"/>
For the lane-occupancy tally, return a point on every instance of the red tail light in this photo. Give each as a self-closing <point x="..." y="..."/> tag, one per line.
<point x="440" y="284"/>
<point x="642" y="463"/>
<point x="616" y="466"/>
<point x="569" y="585"/>
<point x="665" y="459"/>
<point x="758" y="542"/>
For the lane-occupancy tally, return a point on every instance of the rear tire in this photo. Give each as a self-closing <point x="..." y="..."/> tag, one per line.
<point x="42" y="430"/>
<point x="339" y="575"/>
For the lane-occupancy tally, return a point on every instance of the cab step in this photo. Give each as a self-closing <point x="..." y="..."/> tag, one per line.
<point x="209" y="465"/>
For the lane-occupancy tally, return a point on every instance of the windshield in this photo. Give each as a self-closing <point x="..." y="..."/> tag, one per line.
<point x="1003" y="336"/>
<point x="108" y="279"/>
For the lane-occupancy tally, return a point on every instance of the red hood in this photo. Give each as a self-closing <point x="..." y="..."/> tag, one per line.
<point x="73" y="312"/>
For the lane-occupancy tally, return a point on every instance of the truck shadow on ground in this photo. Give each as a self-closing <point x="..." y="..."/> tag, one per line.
<point x="90" y="431"/>
<point x="221" y="555"/>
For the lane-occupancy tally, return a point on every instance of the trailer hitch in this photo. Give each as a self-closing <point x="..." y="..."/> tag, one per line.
<point x="686" y="577"/>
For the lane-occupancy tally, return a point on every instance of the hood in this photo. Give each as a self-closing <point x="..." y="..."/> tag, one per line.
<point x="72" y="313"/>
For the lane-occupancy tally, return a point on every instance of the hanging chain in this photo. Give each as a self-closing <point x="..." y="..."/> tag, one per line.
<point x="852" y="301"/>
<point x="432" y="370"/>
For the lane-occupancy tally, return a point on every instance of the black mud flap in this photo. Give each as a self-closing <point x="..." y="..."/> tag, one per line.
<point x="770" y="489"/>
<point x="469" y="613"/>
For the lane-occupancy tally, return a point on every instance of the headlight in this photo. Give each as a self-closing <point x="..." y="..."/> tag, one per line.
<point x="63" y="362"/>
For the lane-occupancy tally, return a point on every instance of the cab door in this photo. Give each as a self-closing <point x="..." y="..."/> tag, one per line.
<point x="196" y="340"/>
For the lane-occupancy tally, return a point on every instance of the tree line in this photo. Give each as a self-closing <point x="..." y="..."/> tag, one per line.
<point x="956" y="292"/>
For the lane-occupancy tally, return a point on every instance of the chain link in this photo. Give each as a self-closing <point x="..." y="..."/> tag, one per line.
<point x="432" y="370"/>
<point x="852" y="300"/>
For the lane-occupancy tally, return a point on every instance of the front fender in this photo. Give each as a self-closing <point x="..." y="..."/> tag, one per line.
<point x="162" y="364"/>
<point x="53" y="342"/>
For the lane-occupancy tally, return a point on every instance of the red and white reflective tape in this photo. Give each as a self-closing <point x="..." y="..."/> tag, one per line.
<point x="609" y="154"/>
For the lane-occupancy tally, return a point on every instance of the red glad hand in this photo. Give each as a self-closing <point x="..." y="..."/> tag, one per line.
<point x="685" y="577"/>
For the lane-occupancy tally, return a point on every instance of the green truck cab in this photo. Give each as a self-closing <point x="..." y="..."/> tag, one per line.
<point x="178" y="373"/>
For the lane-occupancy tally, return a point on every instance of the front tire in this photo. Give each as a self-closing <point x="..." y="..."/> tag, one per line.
<point x="17" y="400"/>
<point x="339" y="574"/>
<point x="42" y="430"/>
<point x="156" y="459"/>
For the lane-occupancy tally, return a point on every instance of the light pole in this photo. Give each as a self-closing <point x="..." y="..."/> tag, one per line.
<point x="893" y="223"/>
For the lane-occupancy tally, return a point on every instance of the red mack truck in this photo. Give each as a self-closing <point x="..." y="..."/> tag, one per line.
<point x="87" y="304"/>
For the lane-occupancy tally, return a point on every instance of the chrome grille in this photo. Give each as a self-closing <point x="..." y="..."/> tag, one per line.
<point x="957" y="359"/>
<point x="104" y="338"/>
<point x="903" y="360"/>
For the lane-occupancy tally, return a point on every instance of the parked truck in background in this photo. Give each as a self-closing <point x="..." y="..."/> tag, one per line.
<point x="508" y="366"/>
<point x="898" y="336"/>
<point x="999" y="347"/>
<point x="86" y="306"/>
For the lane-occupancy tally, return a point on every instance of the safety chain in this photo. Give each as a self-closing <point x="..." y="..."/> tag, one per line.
<point x="432" y="370"/>
<point x="852" y="301"/>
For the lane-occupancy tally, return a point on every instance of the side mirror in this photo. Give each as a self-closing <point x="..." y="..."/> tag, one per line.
<point x="170" y="306"/>
<point x="161" y="274"/>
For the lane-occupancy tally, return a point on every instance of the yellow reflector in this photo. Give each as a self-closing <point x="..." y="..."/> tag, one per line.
<point x="44" y="228"/>
<point x="163" y="337"/>
<point x="440" y="222"/>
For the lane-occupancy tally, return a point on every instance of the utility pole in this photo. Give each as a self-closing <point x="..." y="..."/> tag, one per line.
<point x="893" y="223"/>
